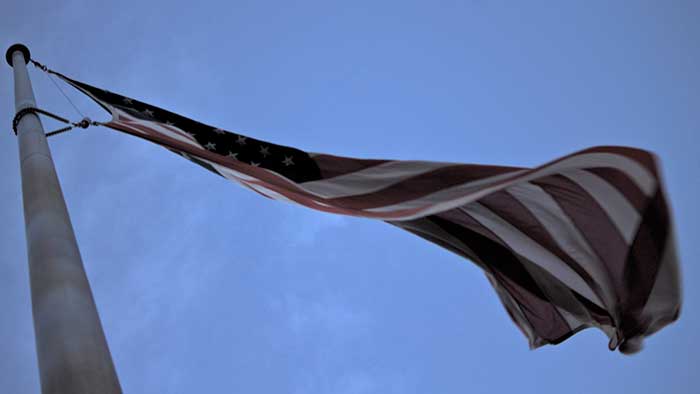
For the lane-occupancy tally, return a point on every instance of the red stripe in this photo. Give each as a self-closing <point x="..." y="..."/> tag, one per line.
<point x="623" y="184"/>
<point x="332" y="166"/>
<point x="643" y="263"/>
<point x="515" y="213"/>
<point x="421" y="185"/>
<point x="592" y="221"/>
<point x="508" y="268"/>
<point x="642" y="157"/>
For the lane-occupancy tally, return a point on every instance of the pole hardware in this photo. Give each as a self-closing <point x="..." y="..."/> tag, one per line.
<point x="83" y="124"/>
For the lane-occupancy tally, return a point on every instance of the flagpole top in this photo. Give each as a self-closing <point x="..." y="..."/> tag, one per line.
<point x="14" y="48"/>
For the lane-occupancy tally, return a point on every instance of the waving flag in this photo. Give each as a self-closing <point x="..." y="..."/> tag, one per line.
<point x="585" y="240"/>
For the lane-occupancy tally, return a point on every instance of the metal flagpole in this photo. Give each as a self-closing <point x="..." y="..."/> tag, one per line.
<point x="71" y="347"/>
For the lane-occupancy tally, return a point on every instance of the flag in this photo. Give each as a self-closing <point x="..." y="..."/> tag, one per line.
<point x="585" y="240"/>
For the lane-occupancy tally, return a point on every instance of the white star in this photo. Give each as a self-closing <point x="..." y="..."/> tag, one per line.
<point x="241" y="140"/>
<point x="219" y="131"/>
<point x="210" y="146"/>
<point x="254" y="164"/>
<point x="147" y="112"/>
<point x="265" y="151"/>
<point x="191" y="134"/>
<point x="169" y="123"/>
<point x="127" y="100"/>
<point x="233" y="155"/>
<point x="288" y="161"/>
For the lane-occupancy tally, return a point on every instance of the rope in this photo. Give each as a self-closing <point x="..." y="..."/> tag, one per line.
<point x="65" y="95"/>
<point x="48" y="72"/>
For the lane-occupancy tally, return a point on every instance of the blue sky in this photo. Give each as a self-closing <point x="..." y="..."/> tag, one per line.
<point x="204" y="286"/>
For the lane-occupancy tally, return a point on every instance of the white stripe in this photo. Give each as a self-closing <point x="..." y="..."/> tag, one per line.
<point x="561" y="296"/>
<point x="268" y="193"/>
<point x="239" y="177"/>
<point x="230" y="173"/>
<point x="156" y="127"/>
<point x="254" y="183"/>
<point x="123" y="117"/>
<point x="459" y="195"/>
<point x="615" y="204"/>
<point x="564" y="232"/>
<point x="637" y="172"/>
<point x="370" y="179"/>
<point x="570" y="319"/>
<point x="447" y="194"/>
<point x="534" y="252"/>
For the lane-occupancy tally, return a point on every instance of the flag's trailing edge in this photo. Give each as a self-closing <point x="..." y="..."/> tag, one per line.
<point x="585" y="240"/>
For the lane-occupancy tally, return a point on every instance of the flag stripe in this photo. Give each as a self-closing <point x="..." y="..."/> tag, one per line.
<point x="515" y="312"/>
<point x="546" y="231"/>
<point x="523" y="245"/>
<point x="594" y="231"/>
<point x="622" y="213"/>
<point x="543" y="317"/>
<point x="452" y="197"/>
<point x="509" y="269"/>
<point x="641" y="268"/>
<point x="371" y="179"/>
<point x="423" y="184"/>
<point x="645" y="158"/>
<point x="666" y="293"/>
<point x="633" y="194"/>
<point x="452" y="237"/>
<point x="333" y="166"/>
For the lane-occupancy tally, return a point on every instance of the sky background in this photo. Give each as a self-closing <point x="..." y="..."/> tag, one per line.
<point x="206" y="287"/>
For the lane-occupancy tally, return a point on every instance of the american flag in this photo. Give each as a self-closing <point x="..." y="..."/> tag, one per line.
<point x="585" y="240"/>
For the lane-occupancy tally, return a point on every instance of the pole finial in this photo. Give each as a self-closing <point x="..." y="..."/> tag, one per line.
<point x="14" y="48"/>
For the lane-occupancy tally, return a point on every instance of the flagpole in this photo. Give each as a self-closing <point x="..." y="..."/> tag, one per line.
<point x="71" y="347"/>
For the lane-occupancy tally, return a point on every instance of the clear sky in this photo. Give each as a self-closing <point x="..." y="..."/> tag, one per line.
<point x="206" y="287"/>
